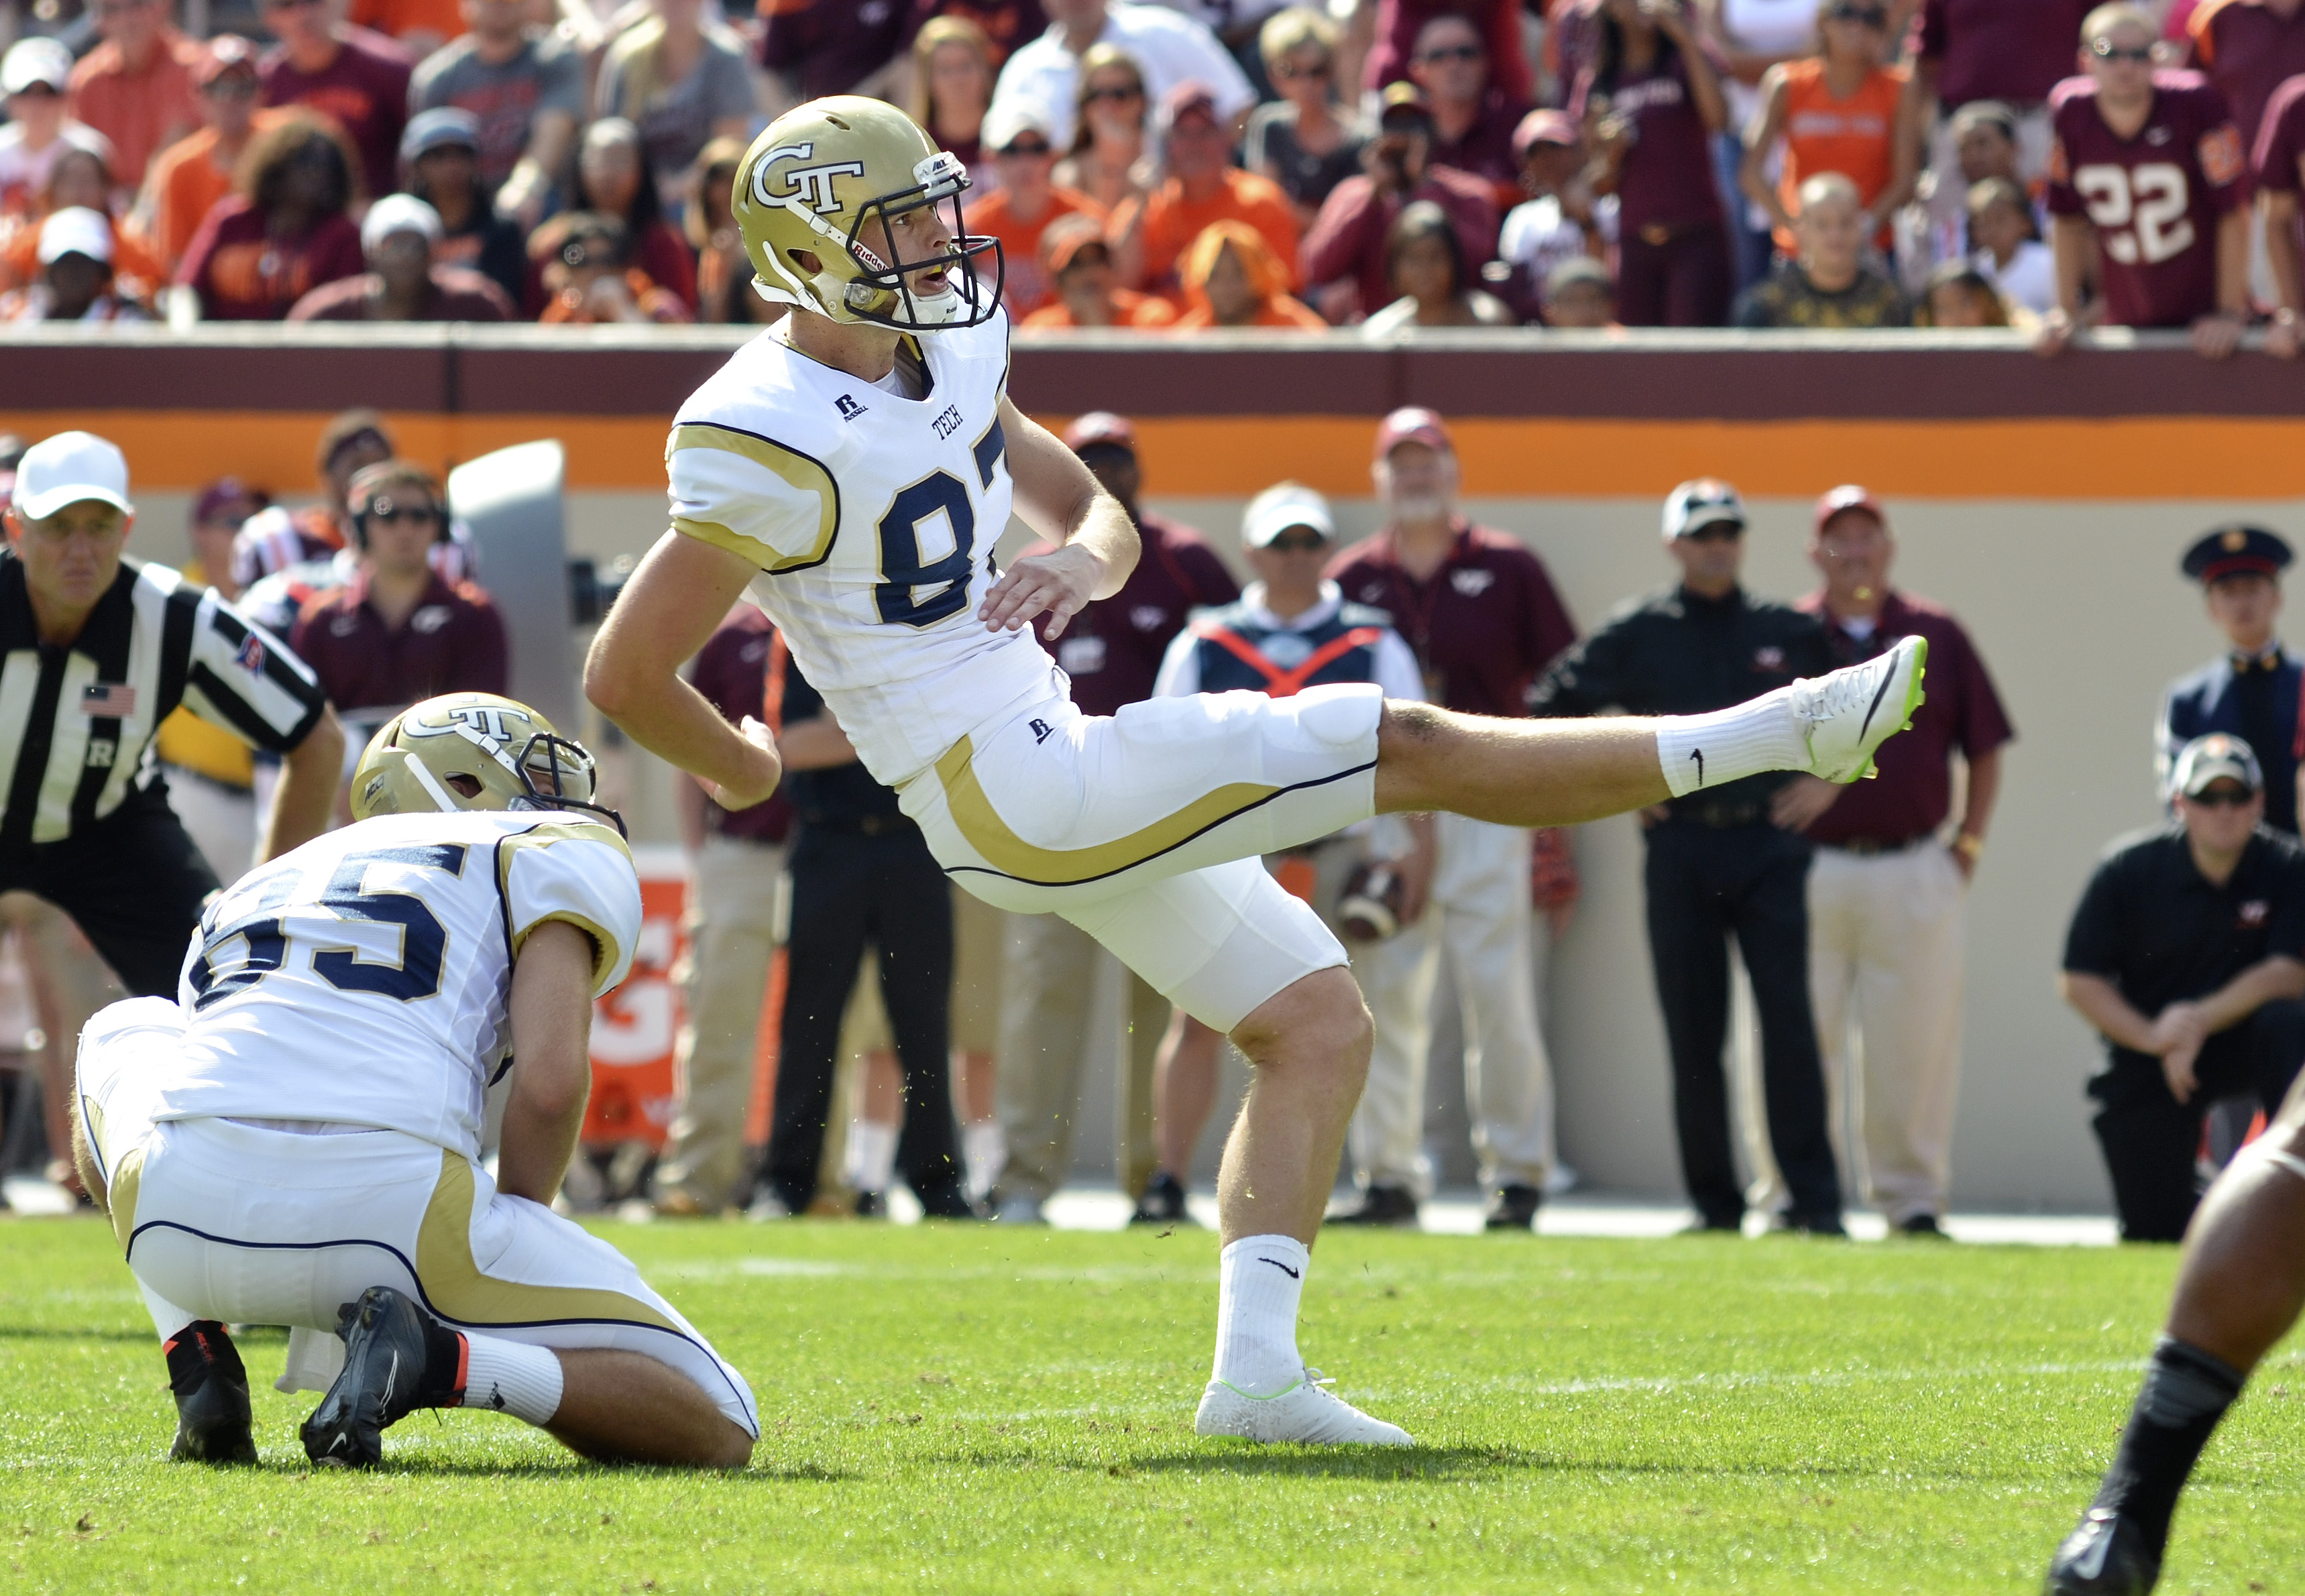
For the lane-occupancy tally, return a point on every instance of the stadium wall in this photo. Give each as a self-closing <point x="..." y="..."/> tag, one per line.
<point x="2046" y="501"/>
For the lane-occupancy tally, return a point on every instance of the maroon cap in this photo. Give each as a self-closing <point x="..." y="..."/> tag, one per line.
<point x="1413" y="424"/>
<point x="225" y="494"/>
<point x="1400" y="97"/>
<point x="1100" y="427"/>
<point x="1849" y="497"/>
<point x="226" y="52"/>
<point x="1543" y="127"/>
<point x="1190" y="97"/>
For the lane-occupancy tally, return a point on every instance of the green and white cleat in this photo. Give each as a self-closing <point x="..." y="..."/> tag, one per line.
<point x="1305" y="1413"/>
<point x="1853" y="711"/>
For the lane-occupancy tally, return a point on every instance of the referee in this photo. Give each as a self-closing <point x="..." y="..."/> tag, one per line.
<point x="95" y="652"/>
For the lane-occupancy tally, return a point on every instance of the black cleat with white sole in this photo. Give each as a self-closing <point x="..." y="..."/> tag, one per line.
<point x="211" y="1390"/>
<point x="397" y="1358"/>
<point x="2107" y="1556"/>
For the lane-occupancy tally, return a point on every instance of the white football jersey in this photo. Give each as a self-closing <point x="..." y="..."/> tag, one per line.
<point x="872" y="519"/>
<point x="362" y="978"/>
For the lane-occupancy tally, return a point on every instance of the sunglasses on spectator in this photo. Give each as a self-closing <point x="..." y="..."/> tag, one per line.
<point x="231" y="85"/>
<point x="2104" y="50"/>
<point x="290" y="4"/>
<point x="1455" y="52"/>
<point x="1716" y="532"/>
<point x="1094" y="95"/>
<point x="2224" y="797"/>
<point x="1028" y="148"/>
<point x="1863" y="16"/>
<point x="1285" y="74"/>
<point x="385" y="510"/>
<point x="1298" y="540"/>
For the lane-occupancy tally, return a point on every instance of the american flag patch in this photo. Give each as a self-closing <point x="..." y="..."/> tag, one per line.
<point x="107" y="701"/>
<point x="251" y="658"/>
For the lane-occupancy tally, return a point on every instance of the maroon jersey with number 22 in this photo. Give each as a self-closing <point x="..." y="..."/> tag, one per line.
<point x="2154" y="200"/>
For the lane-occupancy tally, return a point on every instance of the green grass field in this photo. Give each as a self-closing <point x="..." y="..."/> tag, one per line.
<point x="985" y="1409"/>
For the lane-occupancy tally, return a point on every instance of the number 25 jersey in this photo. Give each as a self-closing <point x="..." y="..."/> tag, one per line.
<point x="871" y="518"/>
<point x="2154" y="200"/>
<point x="362" y="978"/>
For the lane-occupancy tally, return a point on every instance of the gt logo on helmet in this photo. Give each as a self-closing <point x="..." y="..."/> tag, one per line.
<point x="485" y="720"/>
<point x="806" y="185"/>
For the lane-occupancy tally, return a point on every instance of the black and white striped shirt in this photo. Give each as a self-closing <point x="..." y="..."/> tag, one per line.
<point x="76" y="721"/>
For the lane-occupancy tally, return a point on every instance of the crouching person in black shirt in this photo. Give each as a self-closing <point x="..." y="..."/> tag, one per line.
<point x="2187" y="955"/>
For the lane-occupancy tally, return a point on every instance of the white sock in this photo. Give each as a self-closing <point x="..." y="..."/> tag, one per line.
<point x="1259" y="1281"/>
<point x="984" y="1150"/>
<point x="511" y="1377"/>
<point x="872" y="1159"/>
<point x="1700" y="752"/>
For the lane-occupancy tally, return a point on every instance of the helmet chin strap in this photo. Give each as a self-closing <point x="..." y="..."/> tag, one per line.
<point x="431" y="784"/>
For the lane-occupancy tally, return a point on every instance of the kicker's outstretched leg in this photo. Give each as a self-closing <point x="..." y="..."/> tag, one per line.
<point x="1561" y="772"/>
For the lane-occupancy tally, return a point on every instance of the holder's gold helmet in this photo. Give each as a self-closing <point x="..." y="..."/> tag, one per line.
<point x="472" y="751"/>
<point x="858" y="186"/>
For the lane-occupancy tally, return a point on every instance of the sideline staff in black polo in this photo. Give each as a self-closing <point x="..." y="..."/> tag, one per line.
<point x="861" y="872"/>
<point x="2187" y="955"/>
<point x="95" y="651"/>
<point x="1727" y="862"/>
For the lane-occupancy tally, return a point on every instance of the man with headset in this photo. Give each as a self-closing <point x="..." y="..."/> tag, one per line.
<point x="399" y="632"/>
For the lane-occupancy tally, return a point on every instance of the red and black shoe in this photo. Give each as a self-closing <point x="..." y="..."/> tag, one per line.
<point x="397" y="1358"/>
<point x="213" y="1423"/>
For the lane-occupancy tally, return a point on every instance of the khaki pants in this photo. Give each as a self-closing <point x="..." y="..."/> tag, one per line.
<point x="1048" y="985"/>
<point x="1885" y="952"/>
<point x="1480" y="915"/>
<point x="732" y="933"/>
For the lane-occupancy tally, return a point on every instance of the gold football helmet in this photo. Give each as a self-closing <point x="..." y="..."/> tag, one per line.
<point x="855" y="187"/>
<point x="474" y="751"/>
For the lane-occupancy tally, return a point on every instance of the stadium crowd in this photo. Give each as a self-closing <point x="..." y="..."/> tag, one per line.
<point x="1379" y="164"/>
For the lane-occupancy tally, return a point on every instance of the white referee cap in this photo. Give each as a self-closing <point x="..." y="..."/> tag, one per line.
<point x="66" y="468"/>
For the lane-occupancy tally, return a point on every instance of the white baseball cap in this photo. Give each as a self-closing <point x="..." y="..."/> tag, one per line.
<point x="2217" y="757"/>
<point x="66" y="468"/>
<point x="1016" y="114"/>
<point x="399" y="213"/>
<point x="75" y="229"/>
<point x="34" y="60"/>
<point x="1704" y="501"/>
<point x="1281" y="506"/>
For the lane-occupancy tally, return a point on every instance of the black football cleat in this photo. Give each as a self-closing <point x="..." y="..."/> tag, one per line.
<point x="1163" y="1202"/>
<point x="397" y="1358"/>
<point x="1514" y="1208"/>
<point x="1383" y="1206"/>
<point x="2107" y="1556"/>
<point x="213" y="1423"/>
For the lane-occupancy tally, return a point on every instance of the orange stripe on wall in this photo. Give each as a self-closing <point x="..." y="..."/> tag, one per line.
<point x="186" y="449"/>
<point x="2131" y="457"/>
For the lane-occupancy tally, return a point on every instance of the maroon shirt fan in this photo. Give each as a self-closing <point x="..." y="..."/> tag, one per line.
<point x="2154" y="200"/>
<point x="453" y="641"/>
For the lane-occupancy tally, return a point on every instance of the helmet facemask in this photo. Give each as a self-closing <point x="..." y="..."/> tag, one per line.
<point x="570" y="779"/>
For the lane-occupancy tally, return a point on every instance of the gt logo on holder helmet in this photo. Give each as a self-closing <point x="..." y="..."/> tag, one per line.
<point x="807" y="186"/>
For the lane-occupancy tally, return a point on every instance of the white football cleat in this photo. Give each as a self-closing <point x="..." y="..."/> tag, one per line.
<point x="1305" y="1411"/>
<point x="1849" y="713"/>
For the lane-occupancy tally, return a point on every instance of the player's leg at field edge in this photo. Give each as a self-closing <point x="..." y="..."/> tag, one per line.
<point x="2242" y="1282"/>
<point x="1516" y="772"/>
<point x="621" y="1406"/>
